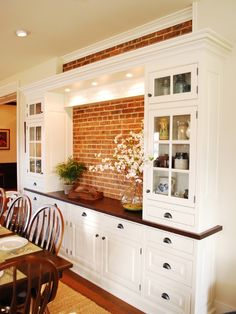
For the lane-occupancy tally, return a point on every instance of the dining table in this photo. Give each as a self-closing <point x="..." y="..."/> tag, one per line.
<point x="13" y="246"/>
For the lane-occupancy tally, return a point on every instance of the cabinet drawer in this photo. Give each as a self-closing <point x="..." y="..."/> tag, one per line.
<point x="168" y="216"/>
<point x="169" y="241"/>
<point x="165" y="294"/>
<point x="168" y="265"/>
<point x="123" y="228"/>
<point x="34" y="183"/>
<point x="81" y="214"/>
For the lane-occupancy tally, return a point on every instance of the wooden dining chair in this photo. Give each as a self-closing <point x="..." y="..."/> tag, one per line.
<point x="30" y="283"/>
<point x="46" y="228"/>
<point x="2" y="202"/>
<point x="18" y="215"/>
<point x="11" y="195"/>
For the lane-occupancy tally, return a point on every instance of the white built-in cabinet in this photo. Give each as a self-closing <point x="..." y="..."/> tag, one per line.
<point x="102" y="248"/>
<point x="45" y="140"/>
<point x="165" y="263"/>
<point x="181" y="132"/>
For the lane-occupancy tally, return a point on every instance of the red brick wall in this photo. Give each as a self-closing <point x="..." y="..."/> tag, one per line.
<point x="94" y="129"/>
<point x="155" y="37"/>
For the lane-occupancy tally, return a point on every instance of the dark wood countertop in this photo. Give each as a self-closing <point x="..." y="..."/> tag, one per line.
<point x="113" y="207"/>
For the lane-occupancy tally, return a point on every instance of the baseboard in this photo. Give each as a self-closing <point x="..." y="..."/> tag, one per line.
<point x="222" y="308"/>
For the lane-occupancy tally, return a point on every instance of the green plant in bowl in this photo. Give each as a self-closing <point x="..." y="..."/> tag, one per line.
<point x="70" y="171"/>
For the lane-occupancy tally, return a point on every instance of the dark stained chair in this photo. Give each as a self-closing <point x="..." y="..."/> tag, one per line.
<point x="33" y="284"/>
<point x="2" y="202"/>
<point x="18" y="215"/>
<point x="46" y="228"/>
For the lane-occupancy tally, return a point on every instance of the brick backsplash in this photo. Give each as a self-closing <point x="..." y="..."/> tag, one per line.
<point x="155" y="37"/>
<point x="94" y="129"/>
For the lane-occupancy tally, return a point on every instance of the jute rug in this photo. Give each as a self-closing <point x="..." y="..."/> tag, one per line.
<point x="69" y="301"/>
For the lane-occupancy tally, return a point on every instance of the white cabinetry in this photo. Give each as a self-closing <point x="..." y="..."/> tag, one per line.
<point x="45" y="140"/>
<point x="103" y="249"/>
<point x="107" y="249"/>
<point x="181" y="128"/>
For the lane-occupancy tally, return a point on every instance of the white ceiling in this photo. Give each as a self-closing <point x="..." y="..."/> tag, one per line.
<point x="58" y="27"/>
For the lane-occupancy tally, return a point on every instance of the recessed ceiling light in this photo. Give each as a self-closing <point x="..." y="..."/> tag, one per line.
<point x="67" y="90"/>
<point x="21" y="33"/>
<point x="94" y="83"/>
<point x="129" y="75"/>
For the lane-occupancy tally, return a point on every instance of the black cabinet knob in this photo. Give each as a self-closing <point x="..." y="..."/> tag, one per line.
<point x="97" y="235"/>
<point x="34" y="183"/>
<point x="149" y="95"/>
<point x="120" y="226"/>
<point x="84" y="214"/>
<point x="35" y="198"/>
<point x="103" y="238"/>
<point x="148" y="191"/>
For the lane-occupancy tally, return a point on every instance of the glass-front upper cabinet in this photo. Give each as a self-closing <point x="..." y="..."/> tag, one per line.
<point x="34" y="109"/>
<point x="34" y="148"/>
<point x="175" y="84"/>
<point x="172" y="144"/>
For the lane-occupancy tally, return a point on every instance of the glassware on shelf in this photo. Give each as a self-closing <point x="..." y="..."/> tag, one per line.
<point x="163" y="129"/>
<point x="181" y="130"/>
<point x="132" y="198"/>
<point x="181" y="161"/>
<point x="181" y="84"/>
<point x="166" y="87"/>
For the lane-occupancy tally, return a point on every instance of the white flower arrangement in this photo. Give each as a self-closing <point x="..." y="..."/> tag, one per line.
<point x="128" y="157"/>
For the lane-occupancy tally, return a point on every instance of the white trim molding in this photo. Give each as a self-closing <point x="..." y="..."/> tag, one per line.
<point x="139" y="57"/>
<point x="148" y="28"/>
<point x="8" y="89"/>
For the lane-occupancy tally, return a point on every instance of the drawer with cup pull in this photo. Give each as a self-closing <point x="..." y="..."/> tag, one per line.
<point x="123" y="227"/>
<point x="169" y="216"/>
<point x="169" y="241"/>
<point x="168" y="265"/>
<point x="166" y="296"/>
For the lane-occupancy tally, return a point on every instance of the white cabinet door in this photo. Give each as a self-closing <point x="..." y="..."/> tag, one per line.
<point x="170" y="177"/>
<point x="67" y="246"/>
<point x="121" y="261"/>
<point x="87" y="247"/>
<point x="173" y="84"/>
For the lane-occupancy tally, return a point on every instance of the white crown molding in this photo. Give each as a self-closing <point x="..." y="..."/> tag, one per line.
<point x="205" y="38"/>
<point x="8" y="89"/>
<point x="148" y="28"/>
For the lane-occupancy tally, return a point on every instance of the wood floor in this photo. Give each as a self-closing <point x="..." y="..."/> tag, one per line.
<point x="98" y="295"/>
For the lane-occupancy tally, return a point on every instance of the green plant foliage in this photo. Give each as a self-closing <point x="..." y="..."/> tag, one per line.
<point x="70" y="171"/>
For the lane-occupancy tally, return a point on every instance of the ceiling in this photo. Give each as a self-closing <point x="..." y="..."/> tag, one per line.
<point x="58" y="27"/>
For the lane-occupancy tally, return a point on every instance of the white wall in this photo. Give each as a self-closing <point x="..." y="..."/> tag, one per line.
<point x="220" y="15"/>
<point x="34" y="74"/>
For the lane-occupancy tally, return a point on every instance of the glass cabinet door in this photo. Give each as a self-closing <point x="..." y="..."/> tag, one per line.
<point x="173" y="152"/>
<point x="34" y="109"/>
<point x="35" y="148"/>
<point x="179" y="83"/>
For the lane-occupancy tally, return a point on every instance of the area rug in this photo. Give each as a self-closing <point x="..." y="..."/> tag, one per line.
<point x="69" y="301"/>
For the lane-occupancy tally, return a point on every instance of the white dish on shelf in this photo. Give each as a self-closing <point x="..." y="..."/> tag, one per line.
<point x="12" y="243"/>
<point x="1" y="273"/>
